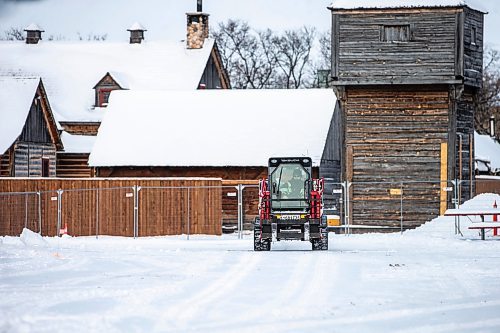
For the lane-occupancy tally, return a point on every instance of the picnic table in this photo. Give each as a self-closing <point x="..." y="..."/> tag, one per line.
<point x="482" y="212"/>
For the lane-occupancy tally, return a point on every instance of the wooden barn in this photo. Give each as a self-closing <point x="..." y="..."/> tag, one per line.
<point x="79" y="90"/>
<point x="29" y="137"/>
<point x="227" y="134"/>
<point x="406" y="78"/>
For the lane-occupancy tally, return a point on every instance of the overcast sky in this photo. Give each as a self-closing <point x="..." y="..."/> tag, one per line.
<point x="165" y="19"/>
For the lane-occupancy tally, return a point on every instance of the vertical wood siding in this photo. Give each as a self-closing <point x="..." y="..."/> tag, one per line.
<point x="109" y="210"/>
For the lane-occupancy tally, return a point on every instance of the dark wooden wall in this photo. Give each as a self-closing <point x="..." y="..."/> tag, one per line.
<point x="438" y="49"/>
<point x="73" y="165"/>
<point x="109" y="211"/>
<point x="226" y="173"/>
<point x="331" y="160"/>
<point x="473" y="52"/>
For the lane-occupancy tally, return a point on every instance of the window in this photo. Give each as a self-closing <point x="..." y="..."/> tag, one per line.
<point x="45" y="167"/>
<point x="289" y="186"/>
<point x="473" y="36"/>
<point x="395" y="33"/>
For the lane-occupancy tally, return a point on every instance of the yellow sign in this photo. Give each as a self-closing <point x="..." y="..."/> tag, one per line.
<point x="395" y="191"/>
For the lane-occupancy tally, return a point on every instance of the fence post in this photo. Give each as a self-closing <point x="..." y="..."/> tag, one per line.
<point x="39" y="195"/>
<point x="136" y="190"/>
<point x="26" y="210"/>
<point x="240" y="188"/>
<point x="401" y="209"/>
<point x="188" y="213"/>
<point x="59" y="211"/>
<point x="346" y="186"/>
<point x="97" y="214"/>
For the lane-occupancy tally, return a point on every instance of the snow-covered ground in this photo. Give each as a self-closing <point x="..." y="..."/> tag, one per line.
<point x="425" y="280"/>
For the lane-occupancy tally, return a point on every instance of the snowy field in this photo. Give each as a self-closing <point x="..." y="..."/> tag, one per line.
<point x="425" y="280"/>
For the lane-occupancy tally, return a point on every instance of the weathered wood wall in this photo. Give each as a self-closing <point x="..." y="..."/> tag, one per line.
<point x="473" y="51"/>
<point x="394" y="135"/>
<point x="28" y="159"/>
<point x="81" y="128"/>
<point x="437" y="49"/>
<point x="184" y="203"/>
<point x="73" y="165"/>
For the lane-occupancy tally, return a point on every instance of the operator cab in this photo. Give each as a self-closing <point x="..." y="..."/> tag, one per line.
<point x="290" y="181"/>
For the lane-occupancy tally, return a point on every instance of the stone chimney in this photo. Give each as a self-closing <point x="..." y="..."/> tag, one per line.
<point x="33" y="33"/>
<point x="136" y="33"/>
<point x="197" y="27"/>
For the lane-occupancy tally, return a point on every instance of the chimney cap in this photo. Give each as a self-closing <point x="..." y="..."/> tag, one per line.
<point x="137" y="27"/>
<point x="33" y="27"/>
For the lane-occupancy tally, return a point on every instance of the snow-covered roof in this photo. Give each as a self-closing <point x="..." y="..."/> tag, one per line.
<point x="212" y="127"/>
<point x="77" y="143"/>
<point x="70" y="70"/>
<point x="487" y="149"/>
<point x="354" y="4"/>
<point x="33" y="27"/>
<point x="16" y="96"/>
<point x="137" y="26"/>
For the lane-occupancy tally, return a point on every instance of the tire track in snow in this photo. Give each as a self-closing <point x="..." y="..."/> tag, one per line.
<point x="283" y="298"/>
<point x="181" y="314"/>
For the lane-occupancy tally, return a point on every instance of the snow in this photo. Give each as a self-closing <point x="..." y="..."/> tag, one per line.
<point x="70" y="70"/>
<point x="424" y="280"/>
<point x="487" y="149"/>
<point x="212" y="127"/>
<point x="77" y="143"/>
<point x="33" y="27"/>
<point x="137" y="26"/>
<point x="16" y="96"/>
<point x="352" y="4"/>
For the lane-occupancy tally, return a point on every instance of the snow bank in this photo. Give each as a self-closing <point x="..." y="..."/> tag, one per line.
<point x="30" y="238"/>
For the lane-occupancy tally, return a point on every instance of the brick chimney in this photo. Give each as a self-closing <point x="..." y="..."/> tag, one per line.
<point x="33" y="33"/>
<point x="136" y="33"/>
<point x="197" y="27"/>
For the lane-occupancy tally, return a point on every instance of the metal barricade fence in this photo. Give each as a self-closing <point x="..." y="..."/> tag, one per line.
<point x="153" y="211"/>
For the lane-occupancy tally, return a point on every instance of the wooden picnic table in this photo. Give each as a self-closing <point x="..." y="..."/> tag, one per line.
<point x="482" y="212"/>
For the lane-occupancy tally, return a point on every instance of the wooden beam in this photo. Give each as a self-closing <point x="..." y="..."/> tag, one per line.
<point x="444" y="177"/>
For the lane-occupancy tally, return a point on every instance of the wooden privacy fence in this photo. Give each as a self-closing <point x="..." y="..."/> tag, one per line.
<point x="488" y="185"/>
<point x="117" y="207"/>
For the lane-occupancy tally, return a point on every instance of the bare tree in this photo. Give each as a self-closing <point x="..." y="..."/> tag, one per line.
<point x="488" y="103"/>
<point x="292" y="52"/>
<point x="245" y="54"/>
<point x="265" y="59"/>
<point x="14" y="34"/>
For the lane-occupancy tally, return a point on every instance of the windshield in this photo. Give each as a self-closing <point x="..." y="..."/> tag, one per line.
<point x="289" y="187"/>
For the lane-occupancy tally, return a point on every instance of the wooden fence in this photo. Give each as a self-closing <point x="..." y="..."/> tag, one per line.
<point x="96" y="206"/>
<point x="487" y="185"/>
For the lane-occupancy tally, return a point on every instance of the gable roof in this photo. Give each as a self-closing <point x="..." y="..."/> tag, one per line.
<point x="16" y="97"/>
<point x="70" y="70"/>
<point x="212" y="127"/>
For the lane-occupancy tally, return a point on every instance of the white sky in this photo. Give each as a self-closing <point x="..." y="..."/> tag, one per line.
<point x="165" y="19"/>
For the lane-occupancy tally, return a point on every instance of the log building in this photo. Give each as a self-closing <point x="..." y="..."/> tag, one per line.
<point x="406" y="80"/>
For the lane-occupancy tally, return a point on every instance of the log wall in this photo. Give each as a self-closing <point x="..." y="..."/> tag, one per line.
<point x="395" y="135"/>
